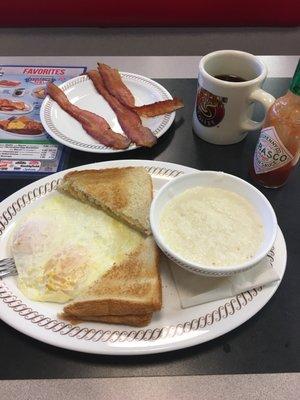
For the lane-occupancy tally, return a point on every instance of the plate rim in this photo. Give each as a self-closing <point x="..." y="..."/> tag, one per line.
<point x="30" y="329"/>
<point x="50" y="128"/>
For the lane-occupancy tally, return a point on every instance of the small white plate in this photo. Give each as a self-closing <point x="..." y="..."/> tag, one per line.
<point x="11" y="135"/>
<point x="81" y="91"/>
<point x="29" y="108"/>
<point x="170" y="329"/>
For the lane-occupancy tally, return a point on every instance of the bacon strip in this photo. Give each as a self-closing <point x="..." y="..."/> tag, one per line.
<point x="93" y="124"/>
<point x="7" y="83"/>
<point x="129" y="120"/>
<point x="116" y="87"/>
<point x="159" y="108"/>
<point x="8" y="105"/>
<point x="114" y="84"/>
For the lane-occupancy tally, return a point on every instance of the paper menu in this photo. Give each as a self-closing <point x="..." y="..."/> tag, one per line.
<point x="25" y="146"/>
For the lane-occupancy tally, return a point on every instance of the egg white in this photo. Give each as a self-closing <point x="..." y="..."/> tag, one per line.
<point x="62" y="246"/>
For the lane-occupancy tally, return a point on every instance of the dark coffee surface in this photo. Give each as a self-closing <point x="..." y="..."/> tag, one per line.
<point x="267" y="343"/>
<point x="230" y="78"/>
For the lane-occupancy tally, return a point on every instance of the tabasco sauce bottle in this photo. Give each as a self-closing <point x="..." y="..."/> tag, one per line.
<point x="278" y="147"/>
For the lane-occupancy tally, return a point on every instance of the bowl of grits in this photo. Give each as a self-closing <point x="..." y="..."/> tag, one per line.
<point x="213" y="223"/>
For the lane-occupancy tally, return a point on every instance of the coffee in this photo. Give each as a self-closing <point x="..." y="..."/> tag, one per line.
<point x="230" y="78"/>
<point x="229" y="81"/>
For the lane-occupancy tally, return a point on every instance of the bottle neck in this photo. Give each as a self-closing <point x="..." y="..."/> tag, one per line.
<point x="295" y="84"/>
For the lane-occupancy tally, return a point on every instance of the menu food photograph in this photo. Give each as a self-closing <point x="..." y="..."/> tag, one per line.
<point x="149" y="230"/>
<point x="25" y="146"/>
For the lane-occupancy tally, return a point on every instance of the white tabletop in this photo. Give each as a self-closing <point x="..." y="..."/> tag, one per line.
<point x="157" y="67"/>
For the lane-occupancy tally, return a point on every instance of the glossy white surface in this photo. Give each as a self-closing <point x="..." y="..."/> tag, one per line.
<point x="171" y="328"/>
<point x="236" y="97"/>
<point x="81" y="92"/>
<point x="223" y="181"/>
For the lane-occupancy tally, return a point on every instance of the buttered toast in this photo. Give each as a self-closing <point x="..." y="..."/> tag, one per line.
<point x="128" y="293"/>
<point x="125" y="193"/>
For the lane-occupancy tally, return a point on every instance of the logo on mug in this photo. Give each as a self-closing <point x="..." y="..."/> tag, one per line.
<point x="210" y="108"/>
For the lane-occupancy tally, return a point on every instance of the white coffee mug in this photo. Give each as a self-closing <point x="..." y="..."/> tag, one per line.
<point x="223" y="108"/>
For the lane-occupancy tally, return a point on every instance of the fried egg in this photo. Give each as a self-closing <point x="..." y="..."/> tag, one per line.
<point x="62" y="246"/>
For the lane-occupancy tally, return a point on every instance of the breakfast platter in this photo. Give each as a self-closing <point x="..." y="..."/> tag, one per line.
<point x="27" y="108"/>
<point x="171" y="328"/>
<point x="82" y="93"/>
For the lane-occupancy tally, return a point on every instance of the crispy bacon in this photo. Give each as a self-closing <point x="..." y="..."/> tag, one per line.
<point x="4" y="123"/>
<point x="114" y="84"/>
<point x="128" y="119"/>
<point x="159" y="108"/>
<point x="7" y="83"/>
<point x="93" y="124"/>
<point x="8" y="105"/>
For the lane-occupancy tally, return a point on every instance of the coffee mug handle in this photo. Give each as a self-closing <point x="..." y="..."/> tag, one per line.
<point x="264" y="98"/>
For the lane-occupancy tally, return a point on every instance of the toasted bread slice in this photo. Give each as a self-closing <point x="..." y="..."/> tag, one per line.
<point x="132" y="288"/>
<point x="132" y="320"/>
<point x="125" y="193"/>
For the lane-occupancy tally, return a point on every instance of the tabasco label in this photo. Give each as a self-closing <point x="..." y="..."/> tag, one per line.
<point x="210" y="108"/>
<point x="270" y="152"/>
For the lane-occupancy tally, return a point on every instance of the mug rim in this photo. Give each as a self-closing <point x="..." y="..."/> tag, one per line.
<point x="259" y="78"/>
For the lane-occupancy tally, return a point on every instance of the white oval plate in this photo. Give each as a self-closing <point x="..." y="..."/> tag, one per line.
<point x="81" y="91"/>
<point x="172" y="328"/>
<point x="29" y="108"/>
<point x="12" y="135"/>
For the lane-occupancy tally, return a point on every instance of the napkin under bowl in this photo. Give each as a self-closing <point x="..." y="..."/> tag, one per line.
<point x="196" y="289"/>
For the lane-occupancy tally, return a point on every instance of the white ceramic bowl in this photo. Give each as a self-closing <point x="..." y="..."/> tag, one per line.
<point x="223" y="181"/>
